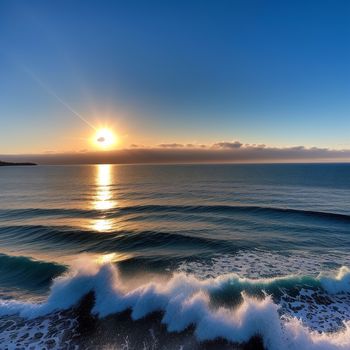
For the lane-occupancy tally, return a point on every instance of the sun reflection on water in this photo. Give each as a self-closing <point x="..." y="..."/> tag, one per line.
<point x="103" y="199"/>
<point x="112" y="258"/>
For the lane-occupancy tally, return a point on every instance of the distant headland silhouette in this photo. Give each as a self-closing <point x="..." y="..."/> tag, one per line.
<point x="15" y="164"/>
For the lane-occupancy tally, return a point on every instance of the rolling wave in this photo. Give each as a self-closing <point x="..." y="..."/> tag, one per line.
<point x="89" y="239"/>
<point x="26" y="273"/>
<point x="33" y="212"/>
<point x="235" y="209"/>
<point x="225" y="209"/>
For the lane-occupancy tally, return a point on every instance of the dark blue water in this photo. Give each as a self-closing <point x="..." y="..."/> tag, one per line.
<point x="256" y="221"/>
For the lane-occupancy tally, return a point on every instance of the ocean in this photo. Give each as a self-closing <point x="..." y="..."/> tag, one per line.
<point x="175" y="257"/>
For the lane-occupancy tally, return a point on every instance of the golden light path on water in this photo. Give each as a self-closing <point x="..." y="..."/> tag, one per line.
<point x="103" y="199"/>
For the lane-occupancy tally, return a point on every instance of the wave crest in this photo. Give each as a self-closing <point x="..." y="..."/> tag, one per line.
<point x="338" y="284"/>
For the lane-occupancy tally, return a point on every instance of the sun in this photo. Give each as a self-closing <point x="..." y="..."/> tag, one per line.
<point x="105" y="138"/>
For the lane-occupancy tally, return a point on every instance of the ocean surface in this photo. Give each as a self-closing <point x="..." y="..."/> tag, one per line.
<point x="175" y="257"/>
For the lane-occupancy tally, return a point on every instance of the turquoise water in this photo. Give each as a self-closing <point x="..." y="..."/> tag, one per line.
<point x="264" y="223"/>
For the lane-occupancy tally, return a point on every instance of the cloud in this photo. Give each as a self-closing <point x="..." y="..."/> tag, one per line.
<point x="171" y="145"/>
<point x="298" y="148"/>
<point x="195" y="145"/>
<point x="227" y="145"/>
<point x="220" y="152"/>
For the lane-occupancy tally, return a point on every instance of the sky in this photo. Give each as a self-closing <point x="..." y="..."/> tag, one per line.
<point x="168" y="74"/>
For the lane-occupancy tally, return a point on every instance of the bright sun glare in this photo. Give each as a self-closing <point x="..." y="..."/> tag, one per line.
<point x="105" y="138"/>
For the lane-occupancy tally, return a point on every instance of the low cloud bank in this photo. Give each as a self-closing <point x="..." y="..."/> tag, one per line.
<point x="220" y="152"/>
<point x="227" y="145"/>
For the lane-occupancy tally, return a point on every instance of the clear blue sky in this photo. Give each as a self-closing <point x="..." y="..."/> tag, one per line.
<point x="272" y="72"/>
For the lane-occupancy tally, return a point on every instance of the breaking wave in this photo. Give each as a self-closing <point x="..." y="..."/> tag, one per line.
<point x="186" y="300"/>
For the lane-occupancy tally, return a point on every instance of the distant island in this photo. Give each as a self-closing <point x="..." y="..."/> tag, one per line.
<point x="15" y="164"/>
